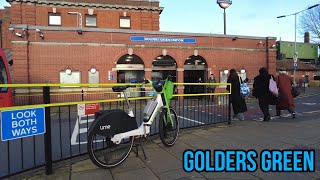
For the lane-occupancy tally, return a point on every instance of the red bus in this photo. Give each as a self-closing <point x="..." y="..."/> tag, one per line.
<point x="5" y="93"/>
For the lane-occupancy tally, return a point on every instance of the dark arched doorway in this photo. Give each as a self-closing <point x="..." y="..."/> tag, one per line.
<point x="195" y="68"/>
<point x="162" y="66"/>
<point x="130" y="69"/>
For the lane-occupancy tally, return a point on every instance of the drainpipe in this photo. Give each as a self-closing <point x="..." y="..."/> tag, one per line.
<point x="267" y="52"/>
<point x="28" y="62"/>
<point x="1" y="33"/>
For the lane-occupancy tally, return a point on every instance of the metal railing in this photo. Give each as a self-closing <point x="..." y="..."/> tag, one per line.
<point x="66" y="132"/>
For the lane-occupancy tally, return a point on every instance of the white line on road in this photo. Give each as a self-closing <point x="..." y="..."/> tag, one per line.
<point x="191" y="120"/>
<point x="76" y="131"/>
<point x="311" y="112"/>
<point x="85" y="121"/>
<point x="73" y="140"/>
<point x="185" y="107"/>
<point x="310" y="104"/>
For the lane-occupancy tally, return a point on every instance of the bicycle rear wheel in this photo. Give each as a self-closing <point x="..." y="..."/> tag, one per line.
<point x="104" y="153"/>
<point x="168" y="131"/>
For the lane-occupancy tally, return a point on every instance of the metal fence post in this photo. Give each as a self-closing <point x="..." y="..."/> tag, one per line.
<point x="82" y="95"/>
<point x="47" y="135"/>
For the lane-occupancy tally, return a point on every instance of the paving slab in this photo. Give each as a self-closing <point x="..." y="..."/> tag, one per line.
<point x="58" y="174"/>
<point x="228" y="175"/>
<point x="84" y="165"/>
<point x="97" y="174"/>
<point x="178" y="174"/>
<point x="283" y="175"/>
<point x="163" y="164"/>
<point x="138" y="174"/>
<point x="131" y="163"/>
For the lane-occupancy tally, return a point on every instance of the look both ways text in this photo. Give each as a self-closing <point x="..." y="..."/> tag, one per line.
<point x="247" y="161"/>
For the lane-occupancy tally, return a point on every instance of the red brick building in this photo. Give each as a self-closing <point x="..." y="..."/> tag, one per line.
<point x="107" y="41"/>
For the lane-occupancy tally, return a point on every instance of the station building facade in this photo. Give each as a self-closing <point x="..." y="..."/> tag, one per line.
<point x="118" y="41"/>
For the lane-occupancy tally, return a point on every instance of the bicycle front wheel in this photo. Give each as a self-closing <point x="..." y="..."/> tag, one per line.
<point x="106" y="154"/>
<point x="168" y="130"/>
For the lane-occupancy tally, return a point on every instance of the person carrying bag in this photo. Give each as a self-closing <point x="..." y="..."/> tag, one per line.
<point x="244" y="89"/>
<point x="273" y="88"/>
<point x="262" y="93"/>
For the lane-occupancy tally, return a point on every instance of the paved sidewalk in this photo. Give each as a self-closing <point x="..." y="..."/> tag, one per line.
<point x="166" y="163"/>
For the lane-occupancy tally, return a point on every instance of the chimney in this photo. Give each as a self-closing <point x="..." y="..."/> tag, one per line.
<point x="306" y="37"/>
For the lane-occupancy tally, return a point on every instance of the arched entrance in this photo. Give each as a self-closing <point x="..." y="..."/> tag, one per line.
<point x="195" y="68"/>
<point x="130" y="69"/>
<point x="162" y="66"/>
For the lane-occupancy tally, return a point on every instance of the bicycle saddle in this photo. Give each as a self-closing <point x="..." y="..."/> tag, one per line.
<point x="158" y="85"/>
<point x="119" y="88"/>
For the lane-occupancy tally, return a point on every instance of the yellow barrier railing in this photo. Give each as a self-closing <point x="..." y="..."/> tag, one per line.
<point x="102" y="85"/>
<point x="102" y="101"/>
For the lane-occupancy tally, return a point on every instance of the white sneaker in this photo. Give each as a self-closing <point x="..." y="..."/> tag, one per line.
<point x="240" y="116"/>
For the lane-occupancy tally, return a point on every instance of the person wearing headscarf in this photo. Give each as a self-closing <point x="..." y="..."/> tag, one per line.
<point x="261" y="91"/>
<point x="286" y="101"/>
<point x="238" y="104"/>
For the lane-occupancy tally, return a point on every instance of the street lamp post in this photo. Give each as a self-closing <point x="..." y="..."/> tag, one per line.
<point x="295" y="55"/>
<point x="224" y="4"/>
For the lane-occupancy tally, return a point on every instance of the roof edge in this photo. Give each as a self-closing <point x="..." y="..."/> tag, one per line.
<point x="49" y="28"/>
<point x="91" y="5"/>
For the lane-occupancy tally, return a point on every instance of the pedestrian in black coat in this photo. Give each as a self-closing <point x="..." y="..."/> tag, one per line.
<point x="238" y="104"/>
<point x="261" y="91"/>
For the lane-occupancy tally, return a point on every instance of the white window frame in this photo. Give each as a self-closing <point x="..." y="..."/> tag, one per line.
<point x="125" y="22"/>
<point x="54" y="19"/>
<point x="91" y="16"/>
<point x="73" y="78"/>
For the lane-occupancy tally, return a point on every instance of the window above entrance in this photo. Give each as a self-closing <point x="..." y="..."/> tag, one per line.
<point x="164" y="61"/>
<point x="130" y="59"/>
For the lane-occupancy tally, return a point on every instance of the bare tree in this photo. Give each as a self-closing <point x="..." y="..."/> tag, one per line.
<point x="309" y="21"/>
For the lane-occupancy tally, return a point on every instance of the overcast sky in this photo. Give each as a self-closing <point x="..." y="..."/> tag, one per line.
<point x="245" y="17"/>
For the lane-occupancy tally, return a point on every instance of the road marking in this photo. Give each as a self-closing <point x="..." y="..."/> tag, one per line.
<point x="191" y="120"/>
<point x="85" y="121"/>
<point x="73" y="140"/>
<point x="185" y="107"/>
<point x="310" y="112"/>
<point x="77" y="131"/>
<point x="310" y="104"/>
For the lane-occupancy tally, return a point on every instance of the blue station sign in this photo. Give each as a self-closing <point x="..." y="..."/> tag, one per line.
<point x="162" y="39"/>
<point x="21" y="123"/>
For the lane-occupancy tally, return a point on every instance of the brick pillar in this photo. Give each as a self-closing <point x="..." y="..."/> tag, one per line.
<point x="180" y="74"/>
<point x="148" y="73"/>
<point x="271" y="55"/>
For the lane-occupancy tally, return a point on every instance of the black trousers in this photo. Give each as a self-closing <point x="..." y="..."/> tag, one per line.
<point x="264" y="106"/>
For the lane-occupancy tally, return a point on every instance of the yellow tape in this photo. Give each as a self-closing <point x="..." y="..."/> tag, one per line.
<point x="108" y="85"/>
<point x="68" y="103"/>
<point x="205" y="94"/>
<point x="99" y="101"/>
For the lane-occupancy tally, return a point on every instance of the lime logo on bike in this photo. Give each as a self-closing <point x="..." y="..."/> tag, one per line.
<point x="105" y="127"/>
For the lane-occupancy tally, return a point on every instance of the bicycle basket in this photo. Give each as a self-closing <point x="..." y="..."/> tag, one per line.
<point x="168" y="90"/>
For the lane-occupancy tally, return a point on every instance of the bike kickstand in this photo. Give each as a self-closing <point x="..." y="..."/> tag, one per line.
<point x="137" y="150"/>
<point x="144" y="154"/>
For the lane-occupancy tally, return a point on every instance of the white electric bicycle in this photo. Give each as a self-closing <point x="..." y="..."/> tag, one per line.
<point x="111" y="135"/>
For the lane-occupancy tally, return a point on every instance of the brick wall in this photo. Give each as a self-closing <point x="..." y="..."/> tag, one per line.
<point x="47" y="59"/>
<point x="38" y="60"/>
<point x="5" y="15"/>
<point x="38" y="15"/>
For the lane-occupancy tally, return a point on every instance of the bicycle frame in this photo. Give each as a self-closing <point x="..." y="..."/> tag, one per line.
<point x="145" y="127"/>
